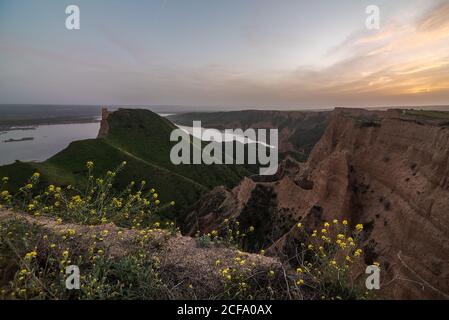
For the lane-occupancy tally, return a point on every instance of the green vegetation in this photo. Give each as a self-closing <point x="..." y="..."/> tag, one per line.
<point x="33" y="266"/>
<point x="116" y="224"/>
<point x="231" y="234"/>
<point x="33" y="260"/>
<point x="326" y="262"/>
<point x="327" y="259"/>
<point x="79" y="227"/>
<point x="427" y="114"/>
<point x="142" y="139"/>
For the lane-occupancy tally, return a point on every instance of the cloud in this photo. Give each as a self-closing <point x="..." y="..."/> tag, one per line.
<point x="437" y="19"/>
<point x="402" y="62"/>
<point x="405" y="62"/>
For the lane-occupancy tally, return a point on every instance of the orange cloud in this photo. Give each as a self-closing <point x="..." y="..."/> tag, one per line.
<point x="401" y="60"/>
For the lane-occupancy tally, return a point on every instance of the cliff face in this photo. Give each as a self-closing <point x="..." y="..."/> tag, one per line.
<point x="387" y="170"/>
<point x="104" y="125"/>
<point x="390" y="172"/>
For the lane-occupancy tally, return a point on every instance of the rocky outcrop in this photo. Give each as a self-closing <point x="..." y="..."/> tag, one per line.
<point x="267" y="206"/>
<point x="389" y="172"/>
<point x="386" y="170"/>
<point x="182" y="261"/>
<point x="104" y="125"/>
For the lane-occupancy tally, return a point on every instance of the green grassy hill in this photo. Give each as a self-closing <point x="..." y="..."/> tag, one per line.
<point x="142" y="139"/>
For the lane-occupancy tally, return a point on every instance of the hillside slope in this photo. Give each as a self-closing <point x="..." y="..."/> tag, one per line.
<point x="142" y="139"/>
<point x="386" y="170"/>
<point x="188" y="270"/>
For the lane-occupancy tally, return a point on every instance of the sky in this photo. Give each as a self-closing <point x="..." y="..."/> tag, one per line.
<point x="282" y="54"/>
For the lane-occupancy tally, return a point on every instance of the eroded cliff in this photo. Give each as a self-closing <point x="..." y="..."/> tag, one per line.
<point x="386" y="170"/>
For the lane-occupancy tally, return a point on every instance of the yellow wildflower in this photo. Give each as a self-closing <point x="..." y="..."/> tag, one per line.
<point x="31" y="255"/>
<point x="89" y="164"/>
<point x="300" y="282"/>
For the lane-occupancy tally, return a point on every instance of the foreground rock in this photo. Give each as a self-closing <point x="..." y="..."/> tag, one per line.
<point x="182" y="262"/>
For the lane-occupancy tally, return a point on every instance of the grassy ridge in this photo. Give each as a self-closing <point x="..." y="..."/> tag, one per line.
<point x="142" y="139"/>
<point x="129" y="130"/>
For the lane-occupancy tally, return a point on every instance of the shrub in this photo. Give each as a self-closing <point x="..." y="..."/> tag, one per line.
<point x="245" y="280"/>
<point x="33" y="264"/>
<point x="230" y="235"/>
<point x="328" y="261"/>
<point x="33" y="260"/>
<point x="98" y="203"/>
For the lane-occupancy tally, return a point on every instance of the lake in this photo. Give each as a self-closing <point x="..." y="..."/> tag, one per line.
<point x="47" y="140"/>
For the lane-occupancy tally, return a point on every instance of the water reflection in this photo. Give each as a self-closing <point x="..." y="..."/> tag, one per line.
<point x="41" y="142"/>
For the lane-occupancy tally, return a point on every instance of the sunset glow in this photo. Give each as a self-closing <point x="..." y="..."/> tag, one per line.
<point x="160" y="53"/>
